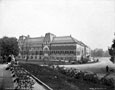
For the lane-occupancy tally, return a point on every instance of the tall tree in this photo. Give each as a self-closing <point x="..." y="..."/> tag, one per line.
<point x="9" y="46"/>
<point x="112" y="52"/>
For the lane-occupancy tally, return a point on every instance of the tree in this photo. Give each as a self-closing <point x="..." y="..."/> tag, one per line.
<point x="106" y="53"/>
<point x="97" y="53"/>
<point x="112" y="52"/>
<point x="9" y="46"/>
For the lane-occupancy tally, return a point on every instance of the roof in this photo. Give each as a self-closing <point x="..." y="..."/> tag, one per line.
<point x="80" y="42"/>
<point x="35" y="40"/>
<point x="67" y="39"/>
<point x="51" y="38"/>
<point x="64" y="39"/>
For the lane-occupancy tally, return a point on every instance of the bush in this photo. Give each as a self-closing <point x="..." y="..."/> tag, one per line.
<point x="108" y="81"/>
<point x="84" y="60"/>
<point x="86" y="76"/>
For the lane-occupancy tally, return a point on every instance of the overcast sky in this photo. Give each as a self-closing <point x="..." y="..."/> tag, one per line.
<point x="91" y="21"/>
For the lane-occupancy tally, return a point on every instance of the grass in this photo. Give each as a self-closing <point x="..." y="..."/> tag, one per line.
<point x="58" y="81"/>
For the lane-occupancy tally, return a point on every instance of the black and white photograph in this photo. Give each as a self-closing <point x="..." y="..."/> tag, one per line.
<point x="57" y="44"/>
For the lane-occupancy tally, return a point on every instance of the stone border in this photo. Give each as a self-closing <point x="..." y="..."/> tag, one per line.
<point x="36" y="79"/>
<point x="39" y="81"/>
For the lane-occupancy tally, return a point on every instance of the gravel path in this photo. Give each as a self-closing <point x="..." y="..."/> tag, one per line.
<point x="6" y="82"/>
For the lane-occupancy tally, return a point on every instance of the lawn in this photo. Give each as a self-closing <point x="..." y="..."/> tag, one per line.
<point x="58" y="81"/>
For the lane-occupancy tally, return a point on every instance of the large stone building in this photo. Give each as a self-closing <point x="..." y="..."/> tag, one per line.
<point x="51" y="47"/>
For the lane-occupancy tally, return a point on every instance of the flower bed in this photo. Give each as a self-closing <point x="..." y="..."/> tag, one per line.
<point x="87" y="76"/>
<point x="61" y="79"/>
<point x="22" y="79"/>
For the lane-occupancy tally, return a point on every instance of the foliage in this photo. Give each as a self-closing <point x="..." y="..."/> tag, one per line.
<point x="112" y="59"/>
<point x="99" y="53"/>
<point x="87" y="76"/>
<point x="112" y="51"/>
<point x="84" y="60"/>
<point x="59" y="81"/>
<point x="9" y="46"/>
<point x="21" y="78"/>
<point x="106" y="54"/>
<point x="113" y="45"/>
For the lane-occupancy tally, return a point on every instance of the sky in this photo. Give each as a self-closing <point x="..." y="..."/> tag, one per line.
<point x="90" y="21"/>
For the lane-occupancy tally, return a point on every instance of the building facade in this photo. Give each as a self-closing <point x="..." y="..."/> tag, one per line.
<point x="51" y="47"/>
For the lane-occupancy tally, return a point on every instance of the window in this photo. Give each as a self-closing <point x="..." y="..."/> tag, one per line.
<point x="36" y="52"/>
<point x="35" y="57"/>
<point x="31" y="57"/>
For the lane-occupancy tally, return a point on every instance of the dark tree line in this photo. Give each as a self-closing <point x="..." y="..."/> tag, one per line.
<point x="99" y="53"/>
<point x="112" y="51"/>
<point x="8" y="46"/>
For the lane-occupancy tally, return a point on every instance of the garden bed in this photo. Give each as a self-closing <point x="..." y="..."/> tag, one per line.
<point x="59" y="81"/>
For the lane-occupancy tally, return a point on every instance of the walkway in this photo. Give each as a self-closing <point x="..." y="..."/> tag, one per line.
<point x="6" y="82"/>
<point x="98" y="68"/>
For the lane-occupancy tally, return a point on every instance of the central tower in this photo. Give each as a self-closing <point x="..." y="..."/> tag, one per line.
<point x="46" y="44"/>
